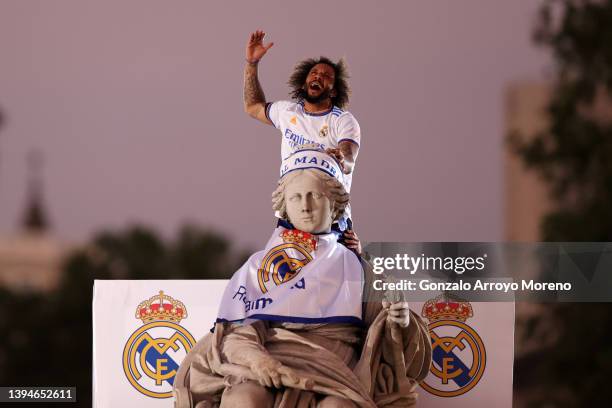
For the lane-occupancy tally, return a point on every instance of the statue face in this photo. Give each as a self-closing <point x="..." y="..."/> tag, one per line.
<point x="308" y="207"/>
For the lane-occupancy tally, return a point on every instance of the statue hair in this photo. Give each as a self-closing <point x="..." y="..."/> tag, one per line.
<point x="335" y="192"/>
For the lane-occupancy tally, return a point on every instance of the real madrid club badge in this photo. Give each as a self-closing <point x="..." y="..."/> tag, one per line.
<point x="284" y="262"/>
<point x="324" y="131"/>
<point x="458" y="352"/>
<point x="153" y="353"/>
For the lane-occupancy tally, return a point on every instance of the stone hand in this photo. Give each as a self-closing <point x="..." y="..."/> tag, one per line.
<point x="255" y="48"/>
<point x="399" y="312"/>
<point x="269" y="371"/>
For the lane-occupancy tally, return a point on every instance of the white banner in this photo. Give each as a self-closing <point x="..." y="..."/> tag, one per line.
<point x="473" y="354"/>
<point x="134" y="360"/>
<point x="143" y="329"/>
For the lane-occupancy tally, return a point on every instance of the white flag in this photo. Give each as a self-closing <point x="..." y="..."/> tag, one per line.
<point x="298" y="277"/>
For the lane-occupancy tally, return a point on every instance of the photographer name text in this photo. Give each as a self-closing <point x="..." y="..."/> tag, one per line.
<point x="477" y="285"/>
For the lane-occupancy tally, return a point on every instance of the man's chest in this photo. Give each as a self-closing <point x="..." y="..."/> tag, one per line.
<point x="300" y="129"/>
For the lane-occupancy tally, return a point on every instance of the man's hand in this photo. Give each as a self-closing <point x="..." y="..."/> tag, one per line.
<point x="269" y="371"/>
<point x="352" y="241"/>
<point x="337" y="154"/>
<point x="398" y="312"/>
<point x="255" y="48"/>
<point x="254" y="98"/>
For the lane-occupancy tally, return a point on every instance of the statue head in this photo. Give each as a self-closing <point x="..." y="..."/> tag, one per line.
<point x="309" y="194"/>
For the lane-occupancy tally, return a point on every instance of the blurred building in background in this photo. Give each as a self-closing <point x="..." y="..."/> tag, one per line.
<point x="526" y="195"/>
<point x="31" y="257"/>
<point x="526" y="199"/>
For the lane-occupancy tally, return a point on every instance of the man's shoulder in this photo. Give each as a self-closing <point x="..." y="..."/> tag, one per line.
<point x="342" y="113"/>
<point x="285" y="105"/>
<point x="277" y="110"/>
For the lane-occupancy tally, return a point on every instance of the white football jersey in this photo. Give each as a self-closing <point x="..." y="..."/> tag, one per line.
<point x="325" y="129"/>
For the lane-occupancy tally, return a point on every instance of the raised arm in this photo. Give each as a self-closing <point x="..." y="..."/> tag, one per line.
<point x="254" y="98"/>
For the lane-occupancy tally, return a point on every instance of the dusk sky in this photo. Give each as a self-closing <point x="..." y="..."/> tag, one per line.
<point x="137" y="107"/>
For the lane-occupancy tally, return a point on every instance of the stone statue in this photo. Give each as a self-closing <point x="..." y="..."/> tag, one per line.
<point x="294" y="328"/>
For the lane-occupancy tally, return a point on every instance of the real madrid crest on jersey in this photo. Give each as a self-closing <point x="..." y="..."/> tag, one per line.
<point x="152" y="354"/>
<point x="324" y="131"/>
<point x="458" y="352"/>
<point x="284" y="262"/>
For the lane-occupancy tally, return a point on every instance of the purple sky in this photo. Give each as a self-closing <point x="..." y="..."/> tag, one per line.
<point x="137" y="106"/>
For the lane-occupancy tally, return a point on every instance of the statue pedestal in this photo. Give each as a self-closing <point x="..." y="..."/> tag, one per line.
<point x="135" y="361"/>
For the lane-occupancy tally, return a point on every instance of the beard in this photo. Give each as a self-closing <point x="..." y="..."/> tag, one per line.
<point x="324" y="95"/>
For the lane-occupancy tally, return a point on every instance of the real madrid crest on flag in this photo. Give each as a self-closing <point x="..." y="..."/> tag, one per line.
<point x="153" y="353"/>
<point x="458" y="353"/>
<point x="284" y="262"/>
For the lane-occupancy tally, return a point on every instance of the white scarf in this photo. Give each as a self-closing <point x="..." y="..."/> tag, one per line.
<point x="299" y="278"/>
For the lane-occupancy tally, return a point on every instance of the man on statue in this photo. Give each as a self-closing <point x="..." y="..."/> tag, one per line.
<point x="316" y="115"/>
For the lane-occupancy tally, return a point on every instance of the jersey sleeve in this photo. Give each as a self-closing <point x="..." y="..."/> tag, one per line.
<point x="348" y="129"/>
<point x="274" y="111"/>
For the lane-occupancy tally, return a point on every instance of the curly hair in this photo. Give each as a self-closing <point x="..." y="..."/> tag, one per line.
<point x="300" y="72"/>
<point x="335" y="192"/>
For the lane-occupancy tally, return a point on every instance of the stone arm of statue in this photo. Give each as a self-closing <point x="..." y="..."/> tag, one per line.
<point x="254" y="98"/>
<point x="399" y="312"/>
<point x="244" y="345"/>
<point x="406" y="326"/>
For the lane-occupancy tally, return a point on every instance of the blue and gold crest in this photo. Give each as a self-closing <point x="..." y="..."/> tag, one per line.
<point x="152" y="354"/>
<point x="284" y="262"/>
<point x="458" y="353"/>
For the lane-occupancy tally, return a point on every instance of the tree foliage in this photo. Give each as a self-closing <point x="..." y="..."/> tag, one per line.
<point x="574" y="157"/>
<point x="47" y="339"/>
<point x="574" y="154"/>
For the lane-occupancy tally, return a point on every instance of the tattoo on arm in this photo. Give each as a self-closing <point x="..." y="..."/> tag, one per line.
<point x="252" y="89"/>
